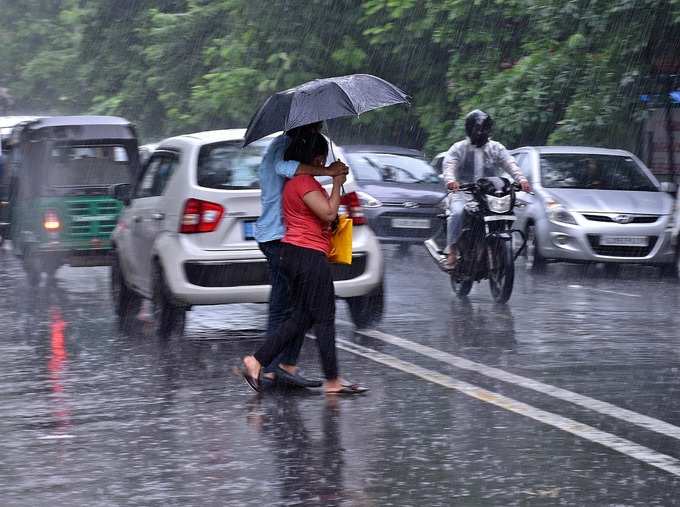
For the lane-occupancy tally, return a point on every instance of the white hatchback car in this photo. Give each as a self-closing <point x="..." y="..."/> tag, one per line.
<point x="185" y="236"/>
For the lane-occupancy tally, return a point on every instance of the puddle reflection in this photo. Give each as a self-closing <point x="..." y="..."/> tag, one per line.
<point x="56" y="365"/>
<point x="310" y="466"/>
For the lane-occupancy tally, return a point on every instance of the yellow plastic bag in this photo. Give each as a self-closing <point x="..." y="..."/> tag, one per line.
<point x="341" y="242"/>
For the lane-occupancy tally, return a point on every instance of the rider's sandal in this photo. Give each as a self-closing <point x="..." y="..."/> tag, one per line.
<point x="444" y="263"/>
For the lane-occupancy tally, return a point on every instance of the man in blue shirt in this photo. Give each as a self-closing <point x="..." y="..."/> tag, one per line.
<point x="269" y="231"/>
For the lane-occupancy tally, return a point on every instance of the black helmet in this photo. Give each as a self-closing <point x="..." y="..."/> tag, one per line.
<point x="478" y="126"/>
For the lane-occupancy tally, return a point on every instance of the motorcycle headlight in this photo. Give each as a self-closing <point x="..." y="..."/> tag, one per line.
<point x="368" y="201"/>
<point x="499" y="204"/>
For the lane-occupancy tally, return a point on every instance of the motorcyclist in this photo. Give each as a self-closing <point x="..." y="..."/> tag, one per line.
<point x="466" y="161"/>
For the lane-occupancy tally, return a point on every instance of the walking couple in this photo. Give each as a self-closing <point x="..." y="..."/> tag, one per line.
<point x="293" y="232"/>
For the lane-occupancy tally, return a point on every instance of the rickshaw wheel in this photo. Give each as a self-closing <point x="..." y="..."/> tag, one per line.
<point x="32" y="268"/>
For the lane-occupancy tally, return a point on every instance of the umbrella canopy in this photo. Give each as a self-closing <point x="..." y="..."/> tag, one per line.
<point x="322" y="99"/>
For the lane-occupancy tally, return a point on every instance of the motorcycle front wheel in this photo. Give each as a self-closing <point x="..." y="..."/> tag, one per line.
<point x="461" y="287"/>
<point x="501" y="271"/>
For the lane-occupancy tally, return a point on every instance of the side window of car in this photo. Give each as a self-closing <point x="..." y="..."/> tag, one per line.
<point x="166" y="168"/>
<point x="146" y="181"/>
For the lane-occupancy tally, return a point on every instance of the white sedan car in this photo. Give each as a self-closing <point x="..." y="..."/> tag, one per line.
<point x="185" y="236"/>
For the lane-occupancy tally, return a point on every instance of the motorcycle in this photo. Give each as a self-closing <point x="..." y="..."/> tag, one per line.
<point x="486" y="243"/>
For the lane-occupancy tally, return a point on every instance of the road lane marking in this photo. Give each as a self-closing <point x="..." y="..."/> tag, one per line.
<point x="573" y="286"/>
<point x="601" y="407"/>
<point x="618" y="444"/>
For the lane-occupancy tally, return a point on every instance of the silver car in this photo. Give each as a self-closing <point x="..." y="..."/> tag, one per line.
<point x="399" y="191"/>
<point x="594" y="205"/>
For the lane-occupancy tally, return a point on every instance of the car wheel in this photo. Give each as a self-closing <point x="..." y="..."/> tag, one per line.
<point x="367" y="310"/>
<point x="672" y="270"/>
<point x="169" y="318"/>
<point x="126" y="302"/>
<point x="534" y="260"/>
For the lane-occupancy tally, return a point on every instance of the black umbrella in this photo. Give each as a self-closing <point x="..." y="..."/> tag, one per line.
<point x="322" y="99"/>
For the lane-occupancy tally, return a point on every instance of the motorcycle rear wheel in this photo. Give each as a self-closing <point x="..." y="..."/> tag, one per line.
<point x="502" y="278"/>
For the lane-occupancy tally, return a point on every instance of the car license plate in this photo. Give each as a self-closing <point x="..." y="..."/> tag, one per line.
<point x="249" y="230"/>
<point x="411" y="223"/>
<point x="624" y="241"/>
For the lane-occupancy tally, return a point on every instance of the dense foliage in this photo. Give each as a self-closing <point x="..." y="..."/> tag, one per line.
<point x="561" y="71"/>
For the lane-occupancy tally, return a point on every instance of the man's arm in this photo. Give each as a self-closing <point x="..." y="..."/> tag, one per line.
<point x="335" y="169"/>
<point x="450" y="168"/>
<point x="290" y="168"/>
<point x="509" y="163"/>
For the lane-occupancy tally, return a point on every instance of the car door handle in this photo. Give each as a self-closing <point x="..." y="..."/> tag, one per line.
<point x="158" y="216"/>
<point x="136" y="219"/>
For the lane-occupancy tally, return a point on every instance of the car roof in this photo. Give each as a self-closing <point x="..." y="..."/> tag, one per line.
<point x="67" y="121"/>
<point x="576" y="150"/>
<point x="211" y="136"/>
<point x="377" y="148"/>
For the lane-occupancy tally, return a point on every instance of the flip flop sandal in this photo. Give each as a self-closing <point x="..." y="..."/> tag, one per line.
<point x="348" y="389"/>
<point x="254" y="383"/>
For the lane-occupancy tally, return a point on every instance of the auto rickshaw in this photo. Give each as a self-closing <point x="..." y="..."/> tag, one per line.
<point x="7" y="123"/>
<point x="60" y="211"/>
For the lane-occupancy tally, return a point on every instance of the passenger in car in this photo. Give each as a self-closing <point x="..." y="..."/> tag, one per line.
<point x="269" y="230"/>
<point x="308" y="212"/>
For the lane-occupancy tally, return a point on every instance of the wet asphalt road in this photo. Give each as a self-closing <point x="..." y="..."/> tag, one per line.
<point x="89" y="416"/>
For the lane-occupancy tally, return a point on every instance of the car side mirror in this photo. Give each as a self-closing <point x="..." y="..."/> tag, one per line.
<point x="121" y="192"/>
<point x="669" y="187"/>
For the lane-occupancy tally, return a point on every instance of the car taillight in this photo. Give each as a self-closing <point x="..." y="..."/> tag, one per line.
<point x="354" y="209"/>
<point x="200" y="216"/>
<point x="51" y="221"/>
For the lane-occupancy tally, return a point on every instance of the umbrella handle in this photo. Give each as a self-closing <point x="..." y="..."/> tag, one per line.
<point x="330" y="144"/>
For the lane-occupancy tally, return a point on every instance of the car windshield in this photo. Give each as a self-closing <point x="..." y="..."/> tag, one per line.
<point x="228" y="166"/>
<point x="88" y="165"/>
<point x="386" y="167"/>
<point x="593" y="172"/>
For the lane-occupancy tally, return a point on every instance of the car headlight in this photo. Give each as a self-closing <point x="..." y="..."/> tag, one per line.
<point x="499" y="204"/>
<point x="368" y="201"/>
<point x="557" y="213"/>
